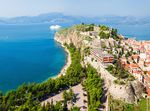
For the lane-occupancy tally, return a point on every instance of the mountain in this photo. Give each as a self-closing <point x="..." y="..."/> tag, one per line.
<point x="56" y="18"/>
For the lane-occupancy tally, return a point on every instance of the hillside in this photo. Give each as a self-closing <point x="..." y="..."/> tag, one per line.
<point x="89" y="37"/>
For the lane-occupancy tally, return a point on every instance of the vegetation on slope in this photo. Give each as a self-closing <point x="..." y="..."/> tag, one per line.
<point x="28" y="97"/>
<point x="118" y="71"/>
<point x="118" y="105"/>
<point x="93" y="85"/>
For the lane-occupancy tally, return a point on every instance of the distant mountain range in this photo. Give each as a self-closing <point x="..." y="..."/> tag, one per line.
<point x="56" y="18"/>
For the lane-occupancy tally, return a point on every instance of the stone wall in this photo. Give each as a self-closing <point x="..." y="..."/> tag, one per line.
<point x="128" y="93"/>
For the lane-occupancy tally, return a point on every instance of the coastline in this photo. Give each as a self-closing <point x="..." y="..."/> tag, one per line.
<point x="68" y="61"/>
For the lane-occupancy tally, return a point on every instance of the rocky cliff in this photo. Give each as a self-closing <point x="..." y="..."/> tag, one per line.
<point x="69" y="36"/>
<point x="129" y="93"/>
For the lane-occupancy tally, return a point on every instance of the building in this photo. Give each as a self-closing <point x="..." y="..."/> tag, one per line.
<point x="101" y="56"/>
<point x="142" y="56"/>
<point x="89" y="33"/>
<point x="123" y="62"/>
<point x="136" y="71"/>
<point x="147" y="62"/>
<point x="147" y="83"/>
<point x="136" y="58"/>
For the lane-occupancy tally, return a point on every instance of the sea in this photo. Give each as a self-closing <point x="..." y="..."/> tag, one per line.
<point x="29" y="53"/>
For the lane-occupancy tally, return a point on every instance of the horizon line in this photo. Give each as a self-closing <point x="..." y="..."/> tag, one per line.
<point x="3" y="17"/>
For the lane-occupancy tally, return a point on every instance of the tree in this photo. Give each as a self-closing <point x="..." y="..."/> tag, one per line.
<point x="58" y="106"/>
<point x="71" y="95"/>
<point x="75" y="109"/>
<point x="110" y="68"/>
<point x="1" y="97"/>
<point x="103" y="35"/>
<point x="65" y="97"/>
<point x="103" y="28"/>
<point x="48" y="106"/>
<point x="52" y="106"/>
<point x="114" y="34"/>
<point x="93" y="85"/>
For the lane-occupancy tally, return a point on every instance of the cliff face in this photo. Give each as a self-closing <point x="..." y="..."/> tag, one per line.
<point x="122" y="92"/>
<point x="128" y="93"/>
<point x="137" y="89"/>
<point x="69" y="36"/>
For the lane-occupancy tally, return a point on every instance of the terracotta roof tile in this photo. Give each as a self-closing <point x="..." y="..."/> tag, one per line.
<point x="133" y="65"/>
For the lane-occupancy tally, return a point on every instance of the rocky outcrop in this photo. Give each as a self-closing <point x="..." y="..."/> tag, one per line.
<point x="138" y="89"/>
<point x="70" y="36"/>
<point x="129" y="93"/>
<point x="122" y="92"/>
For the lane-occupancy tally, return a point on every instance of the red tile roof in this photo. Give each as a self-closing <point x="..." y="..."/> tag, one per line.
<point x="146" y="78"/>
<point x="148" y="73"/>
<point x="135" y="56"/>
<point x="148" y="91"/>
<point x="133" y="65"/>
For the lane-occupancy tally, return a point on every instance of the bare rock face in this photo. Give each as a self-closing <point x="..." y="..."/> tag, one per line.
<point x="122" y="92"/>
<point x="128" y="93"/>
<point x="137" y="88"/>
<point x="71" y="36"/>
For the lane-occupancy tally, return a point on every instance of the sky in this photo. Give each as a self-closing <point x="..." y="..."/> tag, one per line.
<point x="13" y="8"/>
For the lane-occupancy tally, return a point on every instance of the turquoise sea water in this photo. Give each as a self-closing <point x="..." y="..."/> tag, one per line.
<point x="28" y="53"/>
<point x="140" y="32"/>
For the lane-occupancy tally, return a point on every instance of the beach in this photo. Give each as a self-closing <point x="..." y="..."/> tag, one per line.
<point x="68" y="61"/>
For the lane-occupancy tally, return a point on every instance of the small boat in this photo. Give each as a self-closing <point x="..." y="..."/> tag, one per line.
<point x="55" y="27"/>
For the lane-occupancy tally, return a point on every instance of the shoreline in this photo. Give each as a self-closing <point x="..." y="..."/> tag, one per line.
<point x="62" y="72"/>
<point x="67" y="64"/>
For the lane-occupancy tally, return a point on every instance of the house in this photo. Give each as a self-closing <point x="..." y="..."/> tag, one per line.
<point x="101" y="56"/>
<point x="130" y="60"/>
<point x="148" y="53"/>
<point x="142" y="48"/>
<point x="123" y="61"/>
<point x="136" y="71"/>
<point x="134" y="68"/>
<point x="136" y="50"/>
<point x="148" y="91"/>
<point x="136" y="58"/>
<point x="147" y="62"/>
<point x="142" y="56"/>
<point x="107" y="58"/>
<point x="147" y="83"/>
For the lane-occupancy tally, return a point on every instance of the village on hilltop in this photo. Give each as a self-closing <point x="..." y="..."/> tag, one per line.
<point x="132" y="55"/>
